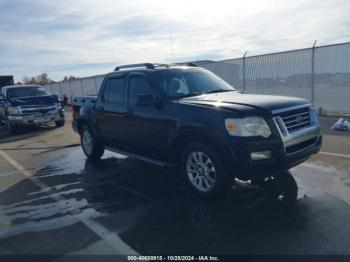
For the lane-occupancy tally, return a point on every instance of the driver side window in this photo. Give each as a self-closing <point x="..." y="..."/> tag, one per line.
<point x="176" y="86"/>
<point x="138" y="85"/>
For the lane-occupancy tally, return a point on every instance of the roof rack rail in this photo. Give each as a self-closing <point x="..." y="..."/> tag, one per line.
<point x="191" y="64"/>
<point x="151" y="65"/>
<point x="161" y="65"/>
<point x="186" y="64"/>
<point x="146" y="65"/>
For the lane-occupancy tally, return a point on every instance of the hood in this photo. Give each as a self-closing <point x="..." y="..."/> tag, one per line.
<point x="34" y="100"/>
<point x="244" y="102"/>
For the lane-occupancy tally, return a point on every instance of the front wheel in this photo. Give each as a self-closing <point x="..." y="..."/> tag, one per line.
<point x="204" y="171"/>
<point x="59" y="123"/>
<point x="10" y="127"/>
<point x="92" y="149"/>
<point x="283" y="188"/>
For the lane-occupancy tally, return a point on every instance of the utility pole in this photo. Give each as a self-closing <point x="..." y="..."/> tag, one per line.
<point x="243" y="71"/>
<point x="313" y="72"/>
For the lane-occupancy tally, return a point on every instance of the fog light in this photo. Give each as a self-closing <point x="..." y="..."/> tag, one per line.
<point x="260" y="155"/>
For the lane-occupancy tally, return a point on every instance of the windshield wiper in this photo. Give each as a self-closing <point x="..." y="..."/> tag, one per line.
<point x="209" y="92"/>
<point x="191" y="94"/>
<point x="218" y="91"/>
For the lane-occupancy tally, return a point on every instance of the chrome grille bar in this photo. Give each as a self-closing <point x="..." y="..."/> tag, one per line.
<point x="296" y="119"/>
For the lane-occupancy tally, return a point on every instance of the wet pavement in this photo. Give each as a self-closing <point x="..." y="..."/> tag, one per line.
<point x="54" y="202"/>
<point x="63" y="204"/>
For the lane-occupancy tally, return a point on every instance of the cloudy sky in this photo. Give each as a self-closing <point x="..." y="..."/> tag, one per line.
<point x="89" y="37"/>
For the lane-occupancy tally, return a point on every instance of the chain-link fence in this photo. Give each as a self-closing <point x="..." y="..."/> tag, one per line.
<point x="319" y="74"/>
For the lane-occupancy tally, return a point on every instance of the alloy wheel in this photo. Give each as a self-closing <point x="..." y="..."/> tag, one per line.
<point x="201" y="171"/>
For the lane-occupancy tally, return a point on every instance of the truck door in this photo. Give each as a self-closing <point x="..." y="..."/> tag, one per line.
<point x="110" y="109"/>
<point x="147" y="125"/>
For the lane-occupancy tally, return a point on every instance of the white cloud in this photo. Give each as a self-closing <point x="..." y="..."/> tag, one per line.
<point x="86" y="37"/>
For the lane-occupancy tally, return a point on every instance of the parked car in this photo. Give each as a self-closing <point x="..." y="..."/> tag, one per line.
<point x="6" y="81"/>
<point x="187" y="117"/>
<point x="29" y="105"/>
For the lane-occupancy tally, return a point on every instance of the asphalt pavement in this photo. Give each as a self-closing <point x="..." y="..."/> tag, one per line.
<point x="54" y="202"/>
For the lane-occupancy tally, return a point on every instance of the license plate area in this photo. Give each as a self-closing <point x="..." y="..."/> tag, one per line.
<point x="44" y="119"/>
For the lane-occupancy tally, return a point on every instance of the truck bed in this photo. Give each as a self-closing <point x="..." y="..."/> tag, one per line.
<point x="79" y="101"/>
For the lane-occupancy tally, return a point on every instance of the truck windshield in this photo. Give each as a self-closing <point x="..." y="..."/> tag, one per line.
<point x="178" y="83"/>
<point x="26" y="91"/>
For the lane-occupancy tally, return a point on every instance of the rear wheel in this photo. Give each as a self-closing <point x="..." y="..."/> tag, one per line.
<point x="204" y="171"/>
<point x="91" y="147"/>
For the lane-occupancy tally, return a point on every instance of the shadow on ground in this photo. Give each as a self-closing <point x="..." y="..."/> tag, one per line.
<point x="24" y="132"/>
<point x="150" y="208"/>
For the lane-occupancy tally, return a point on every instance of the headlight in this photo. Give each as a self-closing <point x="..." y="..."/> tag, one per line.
<point x="14" y="110"/>
<point x="58" y="105"/>
<point x="249" y="126"/>
<point x="313" y="116"/>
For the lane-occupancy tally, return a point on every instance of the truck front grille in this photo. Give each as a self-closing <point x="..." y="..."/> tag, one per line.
<point x="296" y="119"/>
<point x="33" y="110"/>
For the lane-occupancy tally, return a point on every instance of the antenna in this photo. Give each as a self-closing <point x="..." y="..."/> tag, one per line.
<point x="171" y="48"/>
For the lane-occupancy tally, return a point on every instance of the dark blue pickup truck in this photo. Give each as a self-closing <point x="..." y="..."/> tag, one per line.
<point x="29" y="105"/>
<point x="187" y="117"/>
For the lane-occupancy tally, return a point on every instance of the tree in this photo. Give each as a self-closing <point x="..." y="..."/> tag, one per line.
<point x="25" y="80"/>
<point x="70" y="78"/>
<point x="41" y="79"/>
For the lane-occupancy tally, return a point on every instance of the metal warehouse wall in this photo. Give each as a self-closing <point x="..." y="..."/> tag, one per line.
<point x="319" y="74"/>
<point x="78" y="87"/>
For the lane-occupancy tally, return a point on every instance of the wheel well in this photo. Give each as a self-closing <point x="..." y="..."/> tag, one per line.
<point x="81" y="123"/>
<point x="181" y="142"/>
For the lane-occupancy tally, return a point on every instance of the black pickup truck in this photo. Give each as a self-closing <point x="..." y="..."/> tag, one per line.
<point x="29" y="105"/>
<point x="187" y="117"/>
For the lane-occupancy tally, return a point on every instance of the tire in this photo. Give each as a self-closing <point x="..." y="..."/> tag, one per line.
<point x="10" y="128"/>
<point x="287" y="189"/>
<point x="91" y="147"/>
<point x="204" y="172"/>
<point x="59" y="123"/>
<point x="283" y="188"/>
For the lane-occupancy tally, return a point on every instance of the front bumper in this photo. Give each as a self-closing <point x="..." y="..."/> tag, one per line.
<point x="284" y="153"/>
<point x="15" y="120"/>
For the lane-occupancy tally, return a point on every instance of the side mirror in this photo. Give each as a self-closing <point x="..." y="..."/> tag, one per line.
<point x="2" y="98"/>
<point x="145" y="100"/>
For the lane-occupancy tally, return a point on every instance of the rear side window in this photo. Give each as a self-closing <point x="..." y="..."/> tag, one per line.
<point x="138" y="85"/>
<point x="115" y="91"/>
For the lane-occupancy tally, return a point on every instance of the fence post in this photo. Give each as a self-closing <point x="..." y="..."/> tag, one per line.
<point x="81" y="84"/>
<point x="313" y="72"/>
<point x="243" y="71"/>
